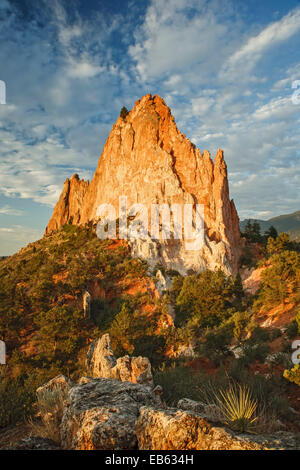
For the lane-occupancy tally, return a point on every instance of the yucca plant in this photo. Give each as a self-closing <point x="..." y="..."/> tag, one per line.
<point x="238" y="407"/>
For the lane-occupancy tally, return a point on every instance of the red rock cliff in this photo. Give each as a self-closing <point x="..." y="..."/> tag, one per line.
<point x="147" y="159"/>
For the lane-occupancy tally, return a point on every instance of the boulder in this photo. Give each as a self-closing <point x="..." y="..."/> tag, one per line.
<point x="190" y="405"/>
<point x="210" y="411"/>
<point x="59" y="382"/>
<point x="102" y="413"/>
<point x="134" y="369"/>
<point x="163" y="283"/>
<point x="174" y="429"/>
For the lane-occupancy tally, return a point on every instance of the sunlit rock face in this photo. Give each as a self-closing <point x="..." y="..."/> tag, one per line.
<point x="148" y="160"/>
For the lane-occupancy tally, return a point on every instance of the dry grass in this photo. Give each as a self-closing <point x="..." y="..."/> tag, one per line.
<point x="50" y="407"/>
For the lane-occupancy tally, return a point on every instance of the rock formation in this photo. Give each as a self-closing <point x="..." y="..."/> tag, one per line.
<point x="60" y="382"/>
<point x="102" y="414"/>
<point x="174" y="429"/>
<point x="107" y="414"/>
<point x="148" y="160"/>
<point x="100" y="358"/>
<point x="68" y="208"/>
<point x="102" y="363"/>
<point x="87" y="304"/>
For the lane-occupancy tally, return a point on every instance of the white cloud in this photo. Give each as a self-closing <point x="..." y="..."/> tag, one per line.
<point x="83" y="69"/>
<point x="171" y="40"/>
<point x="242" y="62"/>
<point x="279" y="108"/>
<point x="7" y="210"/>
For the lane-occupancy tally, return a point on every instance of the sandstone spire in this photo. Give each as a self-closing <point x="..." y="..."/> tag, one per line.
<point x="150" y="161"/>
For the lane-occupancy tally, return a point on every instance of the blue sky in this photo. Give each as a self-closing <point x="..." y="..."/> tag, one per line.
<point x="225" y="68"/>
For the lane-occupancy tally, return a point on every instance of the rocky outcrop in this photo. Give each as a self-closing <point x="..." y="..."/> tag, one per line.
<point x="68" y="208"/>
<point x="148" y="160"/>
<point x="100" y="358"/>
<point x="134" y="369"/>
<point x="102" y="363"/>
<point x="107" y="414"/>
<point x="190" y="405"/>
<point x="87" y="304"/>
<point x="162" y="283"/>
<point x="252" y="279"/>
<point x="102" y="413"/>
<point x="60" y="382"/>
<point x="174" y="429"/>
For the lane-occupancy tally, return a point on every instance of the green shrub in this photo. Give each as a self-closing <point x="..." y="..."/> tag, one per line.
<point x="50" y="406"/>
<point x="280" y="279"/>
<point x="240" y="322"/>
<point x="251" y="353"/>
<point x="124" y="112"/>
<point x="292" y="329"/>
<point x="238" y="408"/>
<point x="275" y="333"/>
<point x="178" y="382"/>
<point x="293" y="375"/>
<point x="16" y="400"/>
<point x="205" y="299"/>
<point x="259" y="335"/>
<point x="268" y="393"/>
<point x="215" y="344"/>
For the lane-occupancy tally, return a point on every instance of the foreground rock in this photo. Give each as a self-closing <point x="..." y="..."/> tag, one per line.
<point x="174" y="429"/>
<point x="107" y="414"/>
<point x="102" y="413"/>
<point x="59" y="383"/>
<point x="34" y="443"/>
<point x="102" y="363"/>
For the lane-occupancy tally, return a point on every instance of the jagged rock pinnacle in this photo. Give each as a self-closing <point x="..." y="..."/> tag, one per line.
<point x="147" y="159"/>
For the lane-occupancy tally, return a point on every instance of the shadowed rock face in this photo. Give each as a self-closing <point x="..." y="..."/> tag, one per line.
<point x="147" y="159"/>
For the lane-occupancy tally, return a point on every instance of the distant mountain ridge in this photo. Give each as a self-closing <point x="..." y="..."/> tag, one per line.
<point x="289" y="223"/>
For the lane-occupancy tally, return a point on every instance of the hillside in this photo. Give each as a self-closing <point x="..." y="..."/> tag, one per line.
<point x="215" y="337"/>
<point x="289" y="223"/>
<point x="42" y="320"/>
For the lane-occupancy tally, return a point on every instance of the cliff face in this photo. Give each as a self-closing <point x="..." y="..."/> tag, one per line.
<point x="68" y="208"/>
<point x="148" y="160"/>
